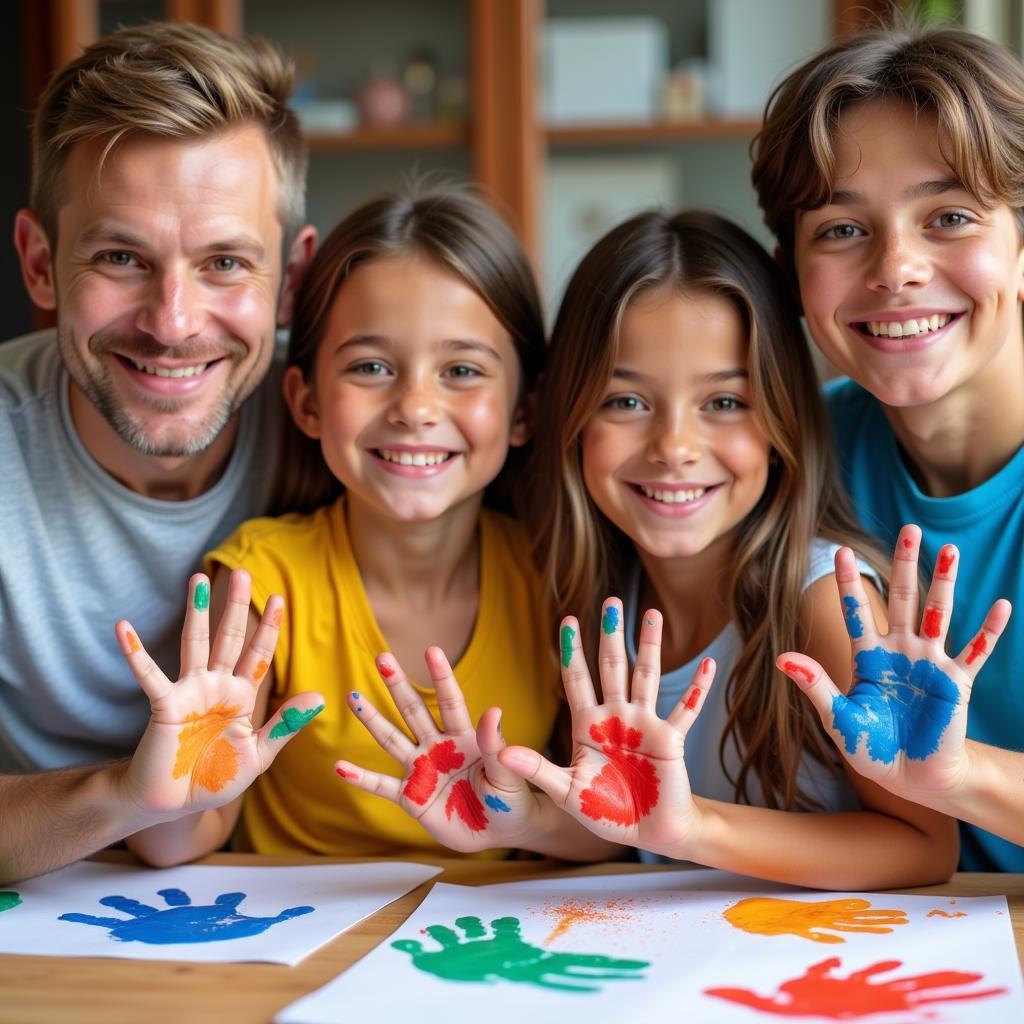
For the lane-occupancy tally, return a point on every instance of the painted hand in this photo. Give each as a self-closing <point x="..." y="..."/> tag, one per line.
<point x="200" y="749"/>
<point x="807" y="919"/>
<point x="816" y="994"/>
<point x="183" y="922"/>
<point x="505" y="956"/>
<point x="453" y="783"/>
<point x="904" y="720"/>
<point x="627" y="781"/>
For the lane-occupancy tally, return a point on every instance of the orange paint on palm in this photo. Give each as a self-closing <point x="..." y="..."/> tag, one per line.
<point x="574" y="911"/>
<point x="133" y="643"/>
<point x="805" y="918"/>
<point x="203" y="753"/>
<point x="259" y="671"/>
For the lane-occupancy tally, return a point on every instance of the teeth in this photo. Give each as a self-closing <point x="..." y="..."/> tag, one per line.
<point x="178" y="371"/>
<point x="673" y="497"/>
<point x="908" y="328"/>
<point x="413" y="458"/>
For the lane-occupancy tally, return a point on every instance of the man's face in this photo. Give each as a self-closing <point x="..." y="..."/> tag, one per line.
<point x="167" y="277"/>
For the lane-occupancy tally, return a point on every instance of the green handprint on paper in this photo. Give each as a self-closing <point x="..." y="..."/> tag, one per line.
<point x="9" y="900"/>
<point x="505" y="956"/>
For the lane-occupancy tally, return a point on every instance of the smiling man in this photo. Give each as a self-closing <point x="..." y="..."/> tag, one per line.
<point x="166" y="232"/>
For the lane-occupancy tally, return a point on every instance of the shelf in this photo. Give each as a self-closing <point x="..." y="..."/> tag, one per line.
<point x="657" y="131"/>
<point x="405" y="136"/>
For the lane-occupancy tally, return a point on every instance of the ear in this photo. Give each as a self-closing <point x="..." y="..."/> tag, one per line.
<point x="300" y="255"/>
<point x="301" y="401"/>
<point x="523" y="420"/>
<point x="36" y="259"/>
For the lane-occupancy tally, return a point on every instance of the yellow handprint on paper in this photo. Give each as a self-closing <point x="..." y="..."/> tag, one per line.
<point x="766" y="916"/>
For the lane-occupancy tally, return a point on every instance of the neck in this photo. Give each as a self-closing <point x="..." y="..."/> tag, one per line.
<point x="690" y="593"/>
<point x="177" y="478"/>
<point x="422" y="562"/>
<point x="957" y="443"/>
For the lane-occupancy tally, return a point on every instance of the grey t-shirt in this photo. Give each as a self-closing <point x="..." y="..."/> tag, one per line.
<point x="78" y="551"/>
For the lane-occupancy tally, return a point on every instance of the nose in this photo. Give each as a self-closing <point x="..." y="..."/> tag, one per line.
<point x="897" y="260"/>
<point x="676" y="441"/>
<point x="415" y="403"/>
<point x="172" y="310"/>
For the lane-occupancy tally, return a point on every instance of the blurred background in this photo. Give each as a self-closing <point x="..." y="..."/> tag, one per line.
<point x="570" y="114"/>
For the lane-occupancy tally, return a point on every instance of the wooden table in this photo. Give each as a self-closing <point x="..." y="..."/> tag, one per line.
<point x="43" y="990"/>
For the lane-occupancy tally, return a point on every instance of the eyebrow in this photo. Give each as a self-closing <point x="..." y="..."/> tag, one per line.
<point x="718" y="377"/>
<point x="453" y="344"/>
<point x="922" y="190"/>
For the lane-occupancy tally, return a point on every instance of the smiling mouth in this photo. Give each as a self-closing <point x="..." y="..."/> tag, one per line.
<point x="674" y="496"/>
<point x="193" y="370"/>
<point x="414" y="458"/>
<point x="911" y="328"/>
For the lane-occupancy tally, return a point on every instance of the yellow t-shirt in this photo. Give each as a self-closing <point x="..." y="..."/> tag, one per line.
<point x="328" y="642"/>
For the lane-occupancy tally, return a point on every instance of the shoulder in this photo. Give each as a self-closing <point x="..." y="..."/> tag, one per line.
<point x="29" y="368"/>
<point x="291" y="542"/>
<point x="821" y="561"/>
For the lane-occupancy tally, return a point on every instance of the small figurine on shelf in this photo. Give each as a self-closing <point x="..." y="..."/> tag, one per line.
<point x="383" y="100"/>
<point x="420" y="78"/>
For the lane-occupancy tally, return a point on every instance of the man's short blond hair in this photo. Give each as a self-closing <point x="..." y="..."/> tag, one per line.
<point x="171" y="80"/>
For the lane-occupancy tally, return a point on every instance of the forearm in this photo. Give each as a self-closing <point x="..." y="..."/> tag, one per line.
<point x="51" y="819"/>
<point x="991" y="794"/>
<point x="554" y="833"/>
<point x="840" y="851"/>
<point x="188" y="838"/>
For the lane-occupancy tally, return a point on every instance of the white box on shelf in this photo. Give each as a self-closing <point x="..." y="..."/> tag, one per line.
<point x="604" y="69"/>
<point x="753" y="43"/>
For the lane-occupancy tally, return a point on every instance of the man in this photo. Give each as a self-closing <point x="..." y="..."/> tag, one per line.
<point x="166" y="233"/>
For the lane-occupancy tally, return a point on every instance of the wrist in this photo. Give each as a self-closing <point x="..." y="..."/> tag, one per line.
<point x="116" y="797"/>
<point x="695" y="835"/>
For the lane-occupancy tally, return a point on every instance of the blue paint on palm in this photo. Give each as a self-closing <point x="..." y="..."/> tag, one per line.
<point x="496" y="803"/>
<point x="896" y="705"/>
<point x="853" y="624"/>
<point x="183" y="922"/>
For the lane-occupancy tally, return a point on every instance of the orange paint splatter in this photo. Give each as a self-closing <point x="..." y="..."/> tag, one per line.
<point x="945" y="913"/>
<point x="203" y="753"/>
<point x="259" y="671"/>
<point x="805" y="918"/>
<point x="575" y="911"/>
<point x="278" y="618"/>
<point x="133" y="643"/>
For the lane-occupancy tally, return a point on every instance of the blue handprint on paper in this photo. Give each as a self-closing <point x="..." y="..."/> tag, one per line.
<point x="896" y="704"/>
<point x="183" y="922"/>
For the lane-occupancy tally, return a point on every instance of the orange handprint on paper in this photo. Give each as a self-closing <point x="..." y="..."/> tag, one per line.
<point x="763" y="915"/>
<point x="816" y="994"/>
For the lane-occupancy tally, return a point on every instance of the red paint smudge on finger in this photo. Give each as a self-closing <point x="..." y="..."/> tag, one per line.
<point x="386" y="671"/>
<point x="344" y="774"/>
<point x="932" y="625"/>
<point x="133" y="643"/>
<point x="793" y="669"/>
<point x="464" y="802"/>
<point x="693" y="699"/>
<point x="626" y="789"/>
<point x="427" y="768"/>
<point x="907" y="543"/>
<point x="946" y="558"/>
<point x="978" y="647"/>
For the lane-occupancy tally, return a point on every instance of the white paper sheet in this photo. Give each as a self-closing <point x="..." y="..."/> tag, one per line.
<point x="199" y="913"/>
<point x="613" y="949"/>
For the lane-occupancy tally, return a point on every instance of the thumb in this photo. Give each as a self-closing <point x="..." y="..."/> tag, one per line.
<point x="491" y="742"/>
<point x="289" y="719"/>
<point x="535" y="768"/>
<point x="813" y="680"/>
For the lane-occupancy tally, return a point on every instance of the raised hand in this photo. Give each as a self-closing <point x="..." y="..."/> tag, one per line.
<point x="627" y="781"/>
<point x="817" y="993"/>
<point x="452" y="782"/>
<point x="504" y="955"/>
<point x="811" y="919"/>
<point x="183" y="921"/>
<point x="904" y="721"/>
<point x="200" y="749"/>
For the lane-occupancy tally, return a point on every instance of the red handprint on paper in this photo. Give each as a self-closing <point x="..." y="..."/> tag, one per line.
<point x="817" y="994"/>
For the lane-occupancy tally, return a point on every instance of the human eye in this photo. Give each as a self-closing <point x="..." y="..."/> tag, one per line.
<point x="725" y="403"/>
<point x="841" y="232"/>
<point x="118" y="258"/>
<point x="369" y="368"/>
<point x="462" y="371"/>
<point x="952" y="219"/>
<point x="624" y="403"/>
<point x="225" y="264"/>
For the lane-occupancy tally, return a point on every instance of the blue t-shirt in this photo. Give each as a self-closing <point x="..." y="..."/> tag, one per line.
<point x="987" y="525"/>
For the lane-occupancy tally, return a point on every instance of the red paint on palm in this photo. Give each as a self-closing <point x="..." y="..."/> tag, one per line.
<point x="979" y="645"/>
<point x="625" y="790"/>
<point x="464" y="802"/>
<point x="441" y="758"/>
<point x="816" y="994"/>
<point x="793" y="669"/>
<point x="932" y="625"/>
<point x="946" y="558"/>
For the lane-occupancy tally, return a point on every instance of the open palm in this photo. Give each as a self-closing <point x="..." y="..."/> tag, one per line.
<point x="627" y="781"/>
<point x="904" y="721"/>
<point x="200" y="749"/>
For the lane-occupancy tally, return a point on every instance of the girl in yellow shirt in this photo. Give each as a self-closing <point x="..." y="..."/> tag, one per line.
<point x="416" y="343"/>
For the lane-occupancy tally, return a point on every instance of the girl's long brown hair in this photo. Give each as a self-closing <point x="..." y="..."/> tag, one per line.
<point x="585" y="557"/>
<point x="463" y="235"/>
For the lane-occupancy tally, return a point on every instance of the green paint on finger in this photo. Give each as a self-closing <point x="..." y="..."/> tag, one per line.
<point x="610" y="621"/>
<point x="9" y="900"/>
<point x="292" y="720"/>
<point x="568" y="635"/>
<point x="201" y="597"/>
